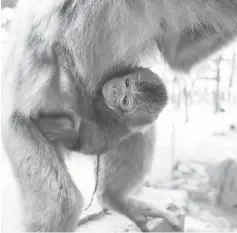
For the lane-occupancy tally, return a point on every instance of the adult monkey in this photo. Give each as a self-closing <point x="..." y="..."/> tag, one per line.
<point x="61" y="38"/>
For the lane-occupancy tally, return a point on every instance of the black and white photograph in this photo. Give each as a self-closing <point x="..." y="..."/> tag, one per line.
<point x="118" y="116"/>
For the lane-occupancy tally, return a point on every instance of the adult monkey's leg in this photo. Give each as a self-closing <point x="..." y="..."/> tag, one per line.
<point x="209" y="26"/>
<point x="50" y="199"/>
<point x="121" y="171"/>
<point x="183" y="50"/>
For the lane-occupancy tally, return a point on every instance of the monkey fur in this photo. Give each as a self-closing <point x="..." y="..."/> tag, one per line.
<point x="76" y="42"/>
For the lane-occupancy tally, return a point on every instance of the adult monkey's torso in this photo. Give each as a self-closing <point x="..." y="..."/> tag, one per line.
<point x="99" y="35"/>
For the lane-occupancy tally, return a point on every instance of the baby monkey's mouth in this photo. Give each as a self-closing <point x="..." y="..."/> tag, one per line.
<point x="109" y="96"/>
<point x="111" y="107"/>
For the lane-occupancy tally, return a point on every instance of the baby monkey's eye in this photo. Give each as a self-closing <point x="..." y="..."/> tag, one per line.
<point x="127" y="82"/>
<point x="125" y="101"/>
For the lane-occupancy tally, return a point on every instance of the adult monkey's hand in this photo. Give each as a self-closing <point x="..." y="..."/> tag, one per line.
<point x="56" y="44"/>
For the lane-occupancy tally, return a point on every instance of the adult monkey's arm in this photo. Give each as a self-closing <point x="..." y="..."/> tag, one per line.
<point x="183" y="50"/>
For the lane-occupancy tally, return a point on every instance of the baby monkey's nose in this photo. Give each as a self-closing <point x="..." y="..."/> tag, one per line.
<point x="116" y="91"/>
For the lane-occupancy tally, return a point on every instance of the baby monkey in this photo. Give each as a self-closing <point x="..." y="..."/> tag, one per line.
<point x="125" y="104"/>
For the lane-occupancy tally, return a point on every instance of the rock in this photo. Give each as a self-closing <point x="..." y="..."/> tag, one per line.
<point x="212" y="196"/>
<point x="164" y="197"/>
<point x="190" y="187"/>
<point x="228" y="189"/>
<point x="193" y="208"/>
<point x="223" y="178"/>
<point x="182" y="168"/>
<point x="177" y="175"/>
<point x="195" y="224"/>
<point x="199" y="169"/>
<point x="174" y="184"/>
<point x="194" y="182"/>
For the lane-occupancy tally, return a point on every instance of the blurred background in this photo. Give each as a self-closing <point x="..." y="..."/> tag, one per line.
<point x="196" y="157"/>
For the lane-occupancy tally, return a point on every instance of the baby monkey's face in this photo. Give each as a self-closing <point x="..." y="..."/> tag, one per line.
<point x="138" y="97"/>
<point x="119" y="93"/>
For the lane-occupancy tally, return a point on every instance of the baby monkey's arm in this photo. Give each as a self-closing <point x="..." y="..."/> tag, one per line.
<point x="97" y="139"/>
<point x="58" y="129"/>
<point x="90" y="139"/>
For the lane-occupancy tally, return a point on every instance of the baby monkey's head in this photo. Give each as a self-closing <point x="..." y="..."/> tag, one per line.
<point x="137" y="97"/>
